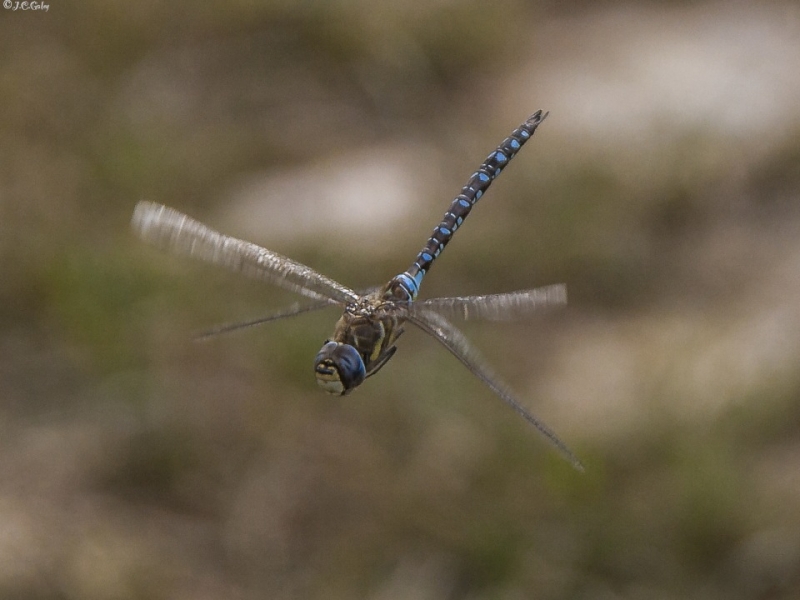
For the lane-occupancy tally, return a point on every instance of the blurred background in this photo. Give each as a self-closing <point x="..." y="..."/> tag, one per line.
<point x="664" y="189"/>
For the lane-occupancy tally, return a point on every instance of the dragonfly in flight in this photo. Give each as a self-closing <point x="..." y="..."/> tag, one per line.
<point x="365" y="336"/>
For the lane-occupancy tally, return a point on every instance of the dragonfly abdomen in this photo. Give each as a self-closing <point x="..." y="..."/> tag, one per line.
<point x="406" y="284"/>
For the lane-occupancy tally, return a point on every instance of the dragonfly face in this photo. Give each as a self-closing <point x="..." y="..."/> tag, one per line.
<point x="339" y="368"/>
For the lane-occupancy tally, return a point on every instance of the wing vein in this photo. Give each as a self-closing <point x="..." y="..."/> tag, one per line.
<point x="497" y="307"/>
<point x="451" y="338"/>
<point x="172" y="230"/>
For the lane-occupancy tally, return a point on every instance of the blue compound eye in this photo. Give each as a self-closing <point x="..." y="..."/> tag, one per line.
<point x="339" y="368"/>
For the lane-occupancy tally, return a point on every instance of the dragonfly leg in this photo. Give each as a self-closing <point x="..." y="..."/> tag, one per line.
<point x="382" y="360"/>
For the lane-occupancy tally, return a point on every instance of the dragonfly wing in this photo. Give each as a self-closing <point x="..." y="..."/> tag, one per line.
<point x="451" y="338"/>
<point x="291" y="311"/>
<point x="497" y="307"/>
<point x="172" y="230"/>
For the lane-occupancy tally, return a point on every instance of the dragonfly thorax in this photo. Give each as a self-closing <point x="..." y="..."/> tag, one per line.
<point x="362" y="342"/>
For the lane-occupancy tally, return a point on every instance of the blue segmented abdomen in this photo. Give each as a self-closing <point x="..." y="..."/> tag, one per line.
<point x="478" y="183"/>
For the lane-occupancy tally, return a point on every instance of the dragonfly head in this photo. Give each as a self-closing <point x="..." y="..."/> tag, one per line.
<point x="339" y="368"/>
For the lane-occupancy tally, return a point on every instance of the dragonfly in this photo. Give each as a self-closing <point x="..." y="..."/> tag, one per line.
<point x="365" y="336"/>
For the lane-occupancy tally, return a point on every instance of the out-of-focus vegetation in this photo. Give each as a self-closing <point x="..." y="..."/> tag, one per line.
<point x="663" y="189"/>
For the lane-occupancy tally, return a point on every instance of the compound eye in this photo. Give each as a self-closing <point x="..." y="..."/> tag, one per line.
<point x="339" y="368"/>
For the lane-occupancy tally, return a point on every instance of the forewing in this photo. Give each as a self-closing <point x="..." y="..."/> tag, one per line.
<point x="497" y="307"/>
<point x="451" y="338"/>
<point x="172" y="230"/>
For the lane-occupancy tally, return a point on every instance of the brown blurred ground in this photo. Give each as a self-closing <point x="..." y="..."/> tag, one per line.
<point x="664" y="189"/>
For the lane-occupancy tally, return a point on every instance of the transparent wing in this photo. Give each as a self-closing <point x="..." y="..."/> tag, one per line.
<point x="291" y="311"/>
<point x="451" y="338"/>
<point x="172" y="230"/>
<point x="496" y="307"/>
